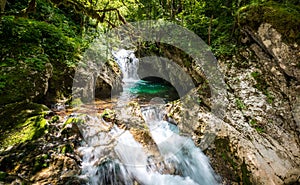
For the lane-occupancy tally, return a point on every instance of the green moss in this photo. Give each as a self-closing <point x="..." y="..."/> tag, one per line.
<point x="76" y="102"/>
<point x="187" y="63"/>
<point x="40" y="162"/>
<point x="262" y="86"/>
<point x="229" y="164"/>
<point x="15" y="113"/>
<point x="63" y="150"/>
<point x="107" y="113"/>
<point x="245" y="174"/>
<point x="260" y="82"/>
<point x="257" y="127"/>
<point x="73" y="120"/>
<point x="2" y="175"/>
<point x="240" y="104"/>
<point x="298" y="65"/>
<point x="54" y="119"/>
<point x="69" y="121"/>
<point x="270" y="98"/>
<point x="27" y="46"/>
<point x="284" y="17"/>
<point x="33" y="128"/>
<point x="21" y="122"/>
<point x="66" y="149"/>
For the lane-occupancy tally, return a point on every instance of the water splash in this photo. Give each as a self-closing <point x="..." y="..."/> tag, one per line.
<point x="128" y="63"/>
<point x="179" y="150"/>
<point x="115" y="157"/>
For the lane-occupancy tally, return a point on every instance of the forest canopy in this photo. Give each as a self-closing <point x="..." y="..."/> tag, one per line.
<point x="39" y="32"/>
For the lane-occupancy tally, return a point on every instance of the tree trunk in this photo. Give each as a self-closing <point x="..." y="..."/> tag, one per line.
<point x="2" y="5"/>
<point x="209" y="29"/>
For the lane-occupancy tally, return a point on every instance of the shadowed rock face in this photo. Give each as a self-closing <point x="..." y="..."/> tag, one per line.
<point x="96" y="81"/>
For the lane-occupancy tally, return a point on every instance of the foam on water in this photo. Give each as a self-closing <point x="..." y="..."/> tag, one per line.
<point x="115" y="157"/>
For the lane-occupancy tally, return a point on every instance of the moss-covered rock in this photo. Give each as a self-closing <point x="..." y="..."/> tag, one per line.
<point x="21" y="122"/>
<point x="32" y="128"/>
<point x="108" y="115"/>
<point x="224" y="162"/>
<point x="39" y="51"/>
<point x="35" y="157"/>
<point x="40" y="162"/>
<point x="73" y="120"/>
<point x="71" y="128"/>
<point x="2" y="175"/>
<point x="284" y="17"/>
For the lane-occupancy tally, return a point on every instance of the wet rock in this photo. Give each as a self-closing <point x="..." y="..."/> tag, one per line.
<point x="71" y="128"/>
<point x="130" y="115"/>
<point x="167" y="70"/>
<point x="261" y="128"/>
<point x="142" y="136"/>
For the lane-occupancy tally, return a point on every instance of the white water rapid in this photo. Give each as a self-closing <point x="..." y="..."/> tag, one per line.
<point x="114" y="157"/>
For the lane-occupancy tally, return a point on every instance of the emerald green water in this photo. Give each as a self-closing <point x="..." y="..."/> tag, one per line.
<point x="146" y="90"/>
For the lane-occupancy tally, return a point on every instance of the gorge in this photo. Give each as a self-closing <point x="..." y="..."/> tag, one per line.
<point x="149" y="114"/>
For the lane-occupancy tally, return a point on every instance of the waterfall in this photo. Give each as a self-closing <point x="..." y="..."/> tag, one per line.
<point x="128" y="63"/>
<point x="115" y="157"/>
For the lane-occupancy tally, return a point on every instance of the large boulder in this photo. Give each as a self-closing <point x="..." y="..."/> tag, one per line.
<point x="96" y="80"/>
<point x="23" y="82"/>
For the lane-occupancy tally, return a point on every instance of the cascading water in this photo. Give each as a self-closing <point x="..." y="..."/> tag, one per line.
<point x="129" y="65"/>
<point x="179" y="150"/>
<point x="115" y="157"/>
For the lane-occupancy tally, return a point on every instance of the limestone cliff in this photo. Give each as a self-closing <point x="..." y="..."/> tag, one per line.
<point x="257" y="142"/>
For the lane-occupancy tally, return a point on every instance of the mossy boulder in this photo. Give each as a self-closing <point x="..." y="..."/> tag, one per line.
<point x="73" y="120"/>
<point x="21" y="122"/>
<point x="71" y="128"/>
<point x="284" y="17"/>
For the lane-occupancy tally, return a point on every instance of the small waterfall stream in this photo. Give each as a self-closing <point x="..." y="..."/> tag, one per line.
<point x="114" y="157"/>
